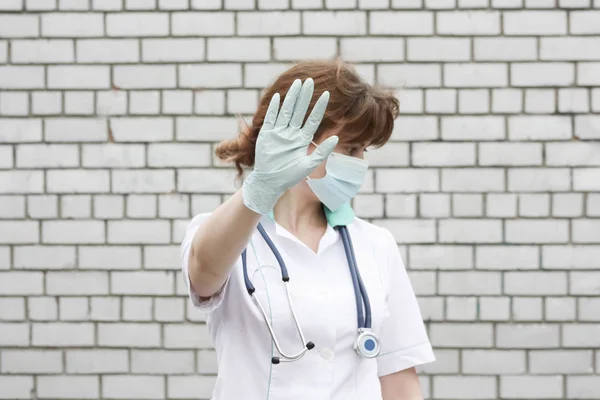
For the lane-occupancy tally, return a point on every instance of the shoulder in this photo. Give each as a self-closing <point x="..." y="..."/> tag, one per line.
<point x="376" y="234"/>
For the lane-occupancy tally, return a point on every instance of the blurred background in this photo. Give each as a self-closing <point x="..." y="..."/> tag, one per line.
<point x="109" y="114"/>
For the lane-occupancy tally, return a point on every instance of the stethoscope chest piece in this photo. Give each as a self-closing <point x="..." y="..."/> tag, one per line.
<point x="367" y="344"/>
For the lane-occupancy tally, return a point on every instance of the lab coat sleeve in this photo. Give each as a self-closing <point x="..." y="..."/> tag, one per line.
<point x="404" y="340"/>
<point x="206" y="305"/>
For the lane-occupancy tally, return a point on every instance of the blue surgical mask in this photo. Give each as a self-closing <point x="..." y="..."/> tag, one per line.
<point x="342" y="181"/>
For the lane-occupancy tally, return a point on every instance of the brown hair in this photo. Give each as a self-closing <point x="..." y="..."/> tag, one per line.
<point x="362" y="113"/>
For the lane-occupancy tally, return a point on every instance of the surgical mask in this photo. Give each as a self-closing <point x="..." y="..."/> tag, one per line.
<point x="342" y="181"/>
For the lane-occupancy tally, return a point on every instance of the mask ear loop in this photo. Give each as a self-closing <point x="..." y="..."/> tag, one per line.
<point x="308" y="178"/>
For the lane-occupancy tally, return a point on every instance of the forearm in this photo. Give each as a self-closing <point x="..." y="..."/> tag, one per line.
<point x="402" y="385"/>
<point x="218" y="243"/>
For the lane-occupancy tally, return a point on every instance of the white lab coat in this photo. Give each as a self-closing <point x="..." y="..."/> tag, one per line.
<point x="323" y="298"/>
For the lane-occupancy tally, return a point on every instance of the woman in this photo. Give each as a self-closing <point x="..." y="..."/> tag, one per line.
<point x="351" y="327"/>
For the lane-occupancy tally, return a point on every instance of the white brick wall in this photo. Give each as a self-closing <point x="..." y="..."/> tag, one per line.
<point x="109" y="113"/>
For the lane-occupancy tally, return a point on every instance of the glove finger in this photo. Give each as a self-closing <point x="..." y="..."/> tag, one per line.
<point x="283" y="119"/>
<point x="271" y="115"/>
<point x="316" y="116"/>
<point x="302" y="103"/>
<point x="322" y="152"/>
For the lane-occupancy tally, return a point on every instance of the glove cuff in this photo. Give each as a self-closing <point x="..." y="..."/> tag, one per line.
<point x="257" y="197"/>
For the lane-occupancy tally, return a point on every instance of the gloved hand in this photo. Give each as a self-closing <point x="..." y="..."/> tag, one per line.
<point x="280" y="155"/>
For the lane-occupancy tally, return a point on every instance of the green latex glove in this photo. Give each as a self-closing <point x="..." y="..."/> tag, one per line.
<point x="281" y="159"/>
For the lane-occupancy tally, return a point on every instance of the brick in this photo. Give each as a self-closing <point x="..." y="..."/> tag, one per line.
<point x="238" y="49"/>
<point x="538" y="179"/>
<point x="527" y="336"/>
<point x="574" y="3"/>
<point x="144" y="76"/>
<point x="44" y="257"/>
<point x="583" y="283"/>
<point x="439" y="49"/>
<point x="190" y="386"/>
<point x="173" y="206"/>
<point x="111" y="102"/>
<point x="19" y="25"/>
<point x="410" y="75"/>
<point x="14" y="334"/>
<point x="573" y="100"/>
<point x="79" y="103"/>
<point x="461" y="335"/>
<point x="108" y="206"/>
<point x="539" y="128"/>
<point x="470" y="231"/>
<point x="178" y="155"/>
<point x="473" y="101"/>
<point x="141" y="206"/>
<point x="472" y="128"/>
<point x="534" y="205"/>
<point x="535" y="283"/>
<point x="472" y="180"/>
<point x="73" y="308"/>
<point x="570" y="48"/>
<point x="73" y="4"/>
<point x="506" y="49"/>
<point x="20" y="130"/>
<point x="140" y="4"/>
<point x="396" y="205"/>
<point x="440" y="257"/>
<point x="78" y="206"/>
<point x="148" y="282"/>
<point x="501" y="154"/>
<point x="12" y="309"/>
<point x="16" y="182"/>
<point x="42" y="308"/>
<point x="110" y="257"/>
<point x="187" y="336"/>
<point x="205" y="128"/>
<point x="537" y="231"/>
<point x="331" y="23"/>
<point x="535" y="22"/>
<point x="587" y="127"/>
<point x="467" y="205"/>
<point x="68" y="387"/>
<point x="16" y="387"/>
<point x="291" y="49"/>
<point x="42" y="51"/>
<point x="12" y="5"/>
<point x="581" y="335"/>
<point x="584" y="22"/>
<point x="173" y="5"/>
<point x="472" y="283"/>
<point x="39" y="5"/>
<point x="406" y="180"/>
<point x="173" y="50"/>
<point x="177" y="102"/>
<point x="21" y="283"/>
<point x="493" y="362"/>
<point x="151" y="231"/>
<point x="593" y="205"/>
<point x="572" y="154"/>
<point x="67" y="24"/>
<point x="464" y="387"/>
<point x="543" y="74"/>
<point x="62" y="334"/>
<point x="72" y="232"/>
<point x="210" y="76"/>
<point x="531" y="387"/>
<point x="582" y="387"/>
<point x="567" y="204"/>
<point x="113" y="155"/>
<point x="31" y="361"/>
<point x="160" y="257"/>
<point x="423" y="231"/>
<point x="42" y="206"/>
<point x="475" y="75"/>
<point x="107" y="50"/>
<point x="70" y="129"/>
<point x="104" y="309"/>
<point x="443" y="154"/>
<point x="144" y="102"/>
<point x="559" y="309"/>
<point x="107" y="5"/>
<point x="134" y="335"/>
<point x="47" y="156"/>
<point x="202" y="23"/>
<point x="21" y="77"/>
<point x="494" y="308"/>
<point x="137" y="24"/>
<point x="276" y="23"/>
<point x="46" y="103"/>
<point x="162" y="361"/>
<point x="586" y="179"/>
<point x="169" y="309"/>
<point x="257" y="76"/>
<point x="14" y="103"/>
<point x="205" y="180"/>
<point x="143" y="181"/>
<point x="137" y="309"/>
<point x="76" y="181"/>
<point x="12" y="207"/>
<point x="588" y="309"/>
<point x="411" y="23"/>
<point x="79" y="77"/>
<point x="570" y="256"/>
<point x="468" y="23"/>
<point x="141" y="129"/>
<point x="96" y="361"/>
<point x="527" y="309"/>
<point x="507" y="100"/>
<point x="371" y="49"/>
<point x="561" y="361"/>
<point x="540" y="101"/>
<point x="76" y="283"/>
<point x="506" y="257"/>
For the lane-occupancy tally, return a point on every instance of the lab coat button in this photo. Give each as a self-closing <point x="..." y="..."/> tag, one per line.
<point x="326" y="353"/>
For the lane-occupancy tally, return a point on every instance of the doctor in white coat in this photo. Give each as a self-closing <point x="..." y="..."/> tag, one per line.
<point x="304" y="300"/>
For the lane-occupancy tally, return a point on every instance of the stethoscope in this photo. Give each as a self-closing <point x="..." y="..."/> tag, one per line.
<point x="367" y="343"/>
